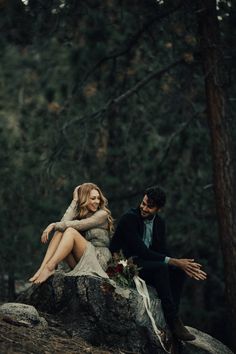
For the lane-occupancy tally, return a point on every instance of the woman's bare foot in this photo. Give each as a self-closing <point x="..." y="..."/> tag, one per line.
<point x="45" y="273"/>
<point x="35" y="276"/>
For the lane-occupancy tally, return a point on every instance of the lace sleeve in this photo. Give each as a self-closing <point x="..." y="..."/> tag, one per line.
<point x="98" y="219"/>
<point x="70" y="212"/>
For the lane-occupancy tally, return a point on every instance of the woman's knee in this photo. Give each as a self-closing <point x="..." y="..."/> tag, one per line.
<point x="71" y="231"/>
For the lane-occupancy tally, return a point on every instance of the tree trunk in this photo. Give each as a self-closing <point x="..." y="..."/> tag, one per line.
<point x="222" y="153"/>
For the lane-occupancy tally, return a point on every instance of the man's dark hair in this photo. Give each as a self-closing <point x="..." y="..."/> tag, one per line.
<point x="156" y="196"/>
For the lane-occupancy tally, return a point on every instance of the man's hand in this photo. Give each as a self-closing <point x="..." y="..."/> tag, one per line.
<point x="75" y="194"/>
<point x="46" y="232"/>
<point x="191" y="268"/>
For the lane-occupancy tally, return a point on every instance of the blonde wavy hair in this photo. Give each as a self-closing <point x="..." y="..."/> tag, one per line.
<point x="84" y="191"/>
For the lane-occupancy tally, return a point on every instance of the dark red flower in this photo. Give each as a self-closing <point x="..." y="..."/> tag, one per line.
<point x="110" y="271"/>
<point x="119" y="268"/>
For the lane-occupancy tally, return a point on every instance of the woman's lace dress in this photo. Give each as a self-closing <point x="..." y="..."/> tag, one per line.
<point x="94" y="228"/>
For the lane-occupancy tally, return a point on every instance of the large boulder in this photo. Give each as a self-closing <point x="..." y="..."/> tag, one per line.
<point x="204" y="343"/>
<point x="102" y="313"/>
<point x="22" y="315"/>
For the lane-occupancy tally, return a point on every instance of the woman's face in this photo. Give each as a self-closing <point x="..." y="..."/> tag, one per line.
<point x="94" y="200"/>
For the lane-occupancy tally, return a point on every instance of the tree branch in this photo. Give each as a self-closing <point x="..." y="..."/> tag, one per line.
<point x="172" y="138"/>
<point x="154" y="75"/>
<point x="113" y="102"/>
<point x="131" y="43"/>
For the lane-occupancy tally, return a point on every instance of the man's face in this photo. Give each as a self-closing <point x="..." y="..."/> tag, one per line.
<point x="147" y="210"/>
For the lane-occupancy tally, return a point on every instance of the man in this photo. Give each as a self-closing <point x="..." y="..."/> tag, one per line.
<point x="140" y="234"/>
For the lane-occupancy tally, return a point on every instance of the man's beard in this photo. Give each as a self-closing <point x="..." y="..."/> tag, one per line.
<point x="146" y="215"/>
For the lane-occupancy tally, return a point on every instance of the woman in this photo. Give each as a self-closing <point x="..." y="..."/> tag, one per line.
<point x="82" y="235"/>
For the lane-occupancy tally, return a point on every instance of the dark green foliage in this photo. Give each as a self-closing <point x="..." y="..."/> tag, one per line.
<point x="61" y="62"/>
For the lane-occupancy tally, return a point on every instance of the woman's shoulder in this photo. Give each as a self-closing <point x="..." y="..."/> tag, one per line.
<point x="101" y="212"/>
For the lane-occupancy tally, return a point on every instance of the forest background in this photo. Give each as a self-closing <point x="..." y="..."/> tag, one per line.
<point x="112" y="92"/>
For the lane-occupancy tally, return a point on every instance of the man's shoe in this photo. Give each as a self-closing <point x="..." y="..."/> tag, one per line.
<point x="179" y="331"/>
<point x="166" y="340"/>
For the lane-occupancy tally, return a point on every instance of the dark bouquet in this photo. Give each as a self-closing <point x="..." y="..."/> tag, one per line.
<point x="122" y="270"/>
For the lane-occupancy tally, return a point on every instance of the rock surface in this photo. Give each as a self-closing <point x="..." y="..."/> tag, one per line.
<point x="54" y="340"/>
<point x="204" y="343"/>
<point x="101" y="314"/>
<point x="22" y="315"/>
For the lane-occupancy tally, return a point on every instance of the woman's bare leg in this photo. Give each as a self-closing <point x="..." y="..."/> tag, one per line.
<point x="71" y="241"/>
<point x="70" y="260"/>
<point x="50" y="252"/>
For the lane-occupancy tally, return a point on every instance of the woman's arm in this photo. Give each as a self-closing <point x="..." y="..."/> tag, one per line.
<point x="98" y="219"/>
<point x="70" y="212"/>
<point x="69" y="215"/>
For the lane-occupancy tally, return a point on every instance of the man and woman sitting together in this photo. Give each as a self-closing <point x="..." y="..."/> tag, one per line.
<point x="140" y="234"/>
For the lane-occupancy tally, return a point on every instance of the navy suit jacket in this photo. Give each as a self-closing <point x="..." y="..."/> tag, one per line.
<point x="128" y="237"/>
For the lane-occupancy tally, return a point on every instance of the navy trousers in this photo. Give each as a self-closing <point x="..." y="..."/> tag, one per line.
<point x="168" y="281"/>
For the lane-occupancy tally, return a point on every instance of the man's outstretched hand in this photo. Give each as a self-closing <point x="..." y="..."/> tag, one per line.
<point x="191" y="268"/>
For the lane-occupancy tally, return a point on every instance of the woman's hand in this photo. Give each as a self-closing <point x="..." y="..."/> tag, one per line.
<point x="75" y="194"/>
<point x="46" y="232"/>
<point x="191" y="268"/>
